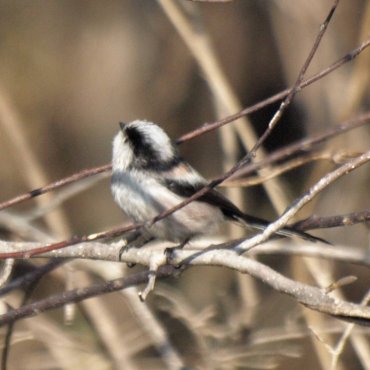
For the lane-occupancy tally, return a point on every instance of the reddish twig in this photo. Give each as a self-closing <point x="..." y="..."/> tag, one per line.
<point x="73" y="241"/>
<point x="349" y="219"/>
<point x="55" y="185"/>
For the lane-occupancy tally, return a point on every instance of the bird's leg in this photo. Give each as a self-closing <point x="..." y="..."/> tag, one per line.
<point x="169" y="251"/>
<point x="135" y="239"/>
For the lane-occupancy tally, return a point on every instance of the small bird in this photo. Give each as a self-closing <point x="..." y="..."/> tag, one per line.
<point x="149" y="176"/>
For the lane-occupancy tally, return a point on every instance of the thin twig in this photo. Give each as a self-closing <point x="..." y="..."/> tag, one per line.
<point x="315" y="222"/>
<point x="303" y="200"/>
<point x="55" y="185"/>
<point x="338" y="350"/>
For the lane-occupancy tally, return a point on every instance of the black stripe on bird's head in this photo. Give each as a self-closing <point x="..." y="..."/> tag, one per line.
<point x="151" y="146"/>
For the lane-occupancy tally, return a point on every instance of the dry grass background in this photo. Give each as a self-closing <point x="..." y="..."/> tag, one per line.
<point x="71" y="70"/>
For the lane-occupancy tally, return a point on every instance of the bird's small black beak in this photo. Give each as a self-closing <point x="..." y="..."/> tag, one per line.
<point x="122" y="125"/>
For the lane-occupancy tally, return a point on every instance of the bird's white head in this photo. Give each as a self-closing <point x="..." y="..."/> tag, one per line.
<point x="142" y="145"/>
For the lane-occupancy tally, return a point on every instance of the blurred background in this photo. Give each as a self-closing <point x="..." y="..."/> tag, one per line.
<point x="71" y="70"/>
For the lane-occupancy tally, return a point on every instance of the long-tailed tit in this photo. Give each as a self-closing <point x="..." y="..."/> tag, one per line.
<point x="149" y="177"/>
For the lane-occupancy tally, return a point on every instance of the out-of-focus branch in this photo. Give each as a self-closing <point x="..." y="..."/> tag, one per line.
<point x="6" y="271"/>
<point x="76" y="295"/>
<point x="28" y="278"/>
<point x="338" y="350"/>
<point x="28" y="164"/>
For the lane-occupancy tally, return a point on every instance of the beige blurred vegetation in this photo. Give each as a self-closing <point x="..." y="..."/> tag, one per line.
<point x="71" y="70"/>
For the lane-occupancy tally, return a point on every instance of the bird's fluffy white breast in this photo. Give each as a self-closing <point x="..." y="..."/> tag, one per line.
<point x="134" y="193"/>
<point x="142" y="198"/>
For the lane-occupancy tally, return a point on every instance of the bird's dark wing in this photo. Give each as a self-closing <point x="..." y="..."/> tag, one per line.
<point x="230" y="211"/>
<point x="212" y="197"/>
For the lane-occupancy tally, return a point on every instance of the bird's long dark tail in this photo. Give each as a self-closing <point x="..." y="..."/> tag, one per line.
<point x="261" y="224"/>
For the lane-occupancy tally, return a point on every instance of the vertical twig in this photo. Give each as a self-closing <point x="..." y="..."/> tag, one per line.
<point x="364" y="353"/>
